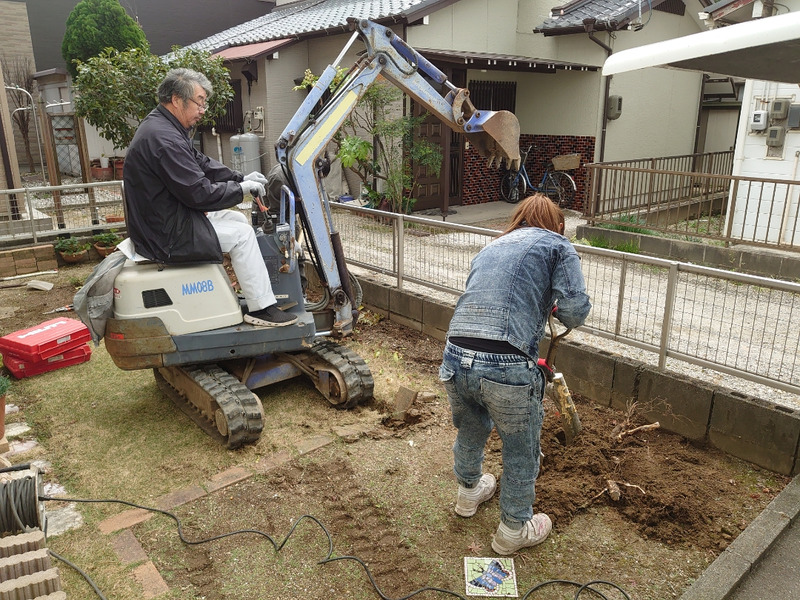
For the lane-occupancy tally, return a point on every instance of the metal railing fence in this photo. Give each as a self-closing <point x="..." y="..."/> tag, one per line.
<point x="697" y="197"/>
<point x="734" y="323"/>
<point x="34" y="213"/>
<point x="738" y="324"/>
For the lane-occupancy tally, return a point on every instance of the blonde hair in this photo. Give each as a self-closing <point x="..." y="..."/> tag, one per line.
<point x="537" y="211"/>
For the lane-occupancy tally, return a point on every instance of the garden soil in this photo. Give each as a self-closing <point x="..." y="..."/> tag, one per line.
<point x="647" y="511"/>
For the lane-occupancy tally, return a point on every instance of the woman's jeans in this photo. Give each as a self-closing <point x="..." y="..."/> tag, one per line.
<point x="503" y="391"/>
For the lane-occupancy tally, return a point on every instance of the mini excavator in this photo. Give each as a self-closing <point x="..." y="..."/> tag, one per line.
<point x="185" y="322"/>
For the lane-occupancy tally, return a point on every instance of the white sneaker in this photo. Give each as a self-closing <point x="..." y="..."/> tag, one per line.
<point x="533" y="532"/>
<point x="469" y="499"/>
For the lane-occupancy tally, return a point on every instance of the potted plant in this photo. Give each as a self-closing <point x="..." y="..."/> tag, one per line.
<point x="105" y="243"/>
<point x="5" y="383"/>
<point x="72" y="250"/>
<point x="100" y="173"/>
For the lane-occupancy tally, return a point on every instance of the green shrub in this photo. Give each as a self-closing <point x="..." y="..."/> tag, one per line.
<point x="107" y="239"/>
<point x="629" y="247"/>
<point x="599" y="242"/>
<point x="70" y="245"/>
<point x="5" y="384"/>
<point x="93" y="26"/>
<point x="634" y="227"/>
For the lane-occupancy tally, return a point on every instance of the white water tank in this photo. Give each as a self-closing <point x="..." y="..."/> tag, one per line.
<point x="245" y="152"/>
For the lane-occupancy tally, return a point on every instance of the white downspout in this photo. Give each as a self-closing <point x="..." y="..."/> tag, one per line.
<point x="219" y="143"/>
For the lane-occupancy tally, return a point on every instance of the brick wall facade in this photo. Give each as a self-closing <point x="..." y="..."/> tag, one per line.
<point x="483" y="185"/>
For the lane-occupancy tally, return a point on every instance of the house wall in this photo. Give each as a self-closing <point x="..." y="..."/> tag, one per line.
<point x="9" y="169"/>
<point x="753" y="158"/>
<point x="718" y="129"/>
<point x="570" y="103"/>
<point x="659" y="106"/>
<point x="16" y="42"/>
<point x="273" y="91"/>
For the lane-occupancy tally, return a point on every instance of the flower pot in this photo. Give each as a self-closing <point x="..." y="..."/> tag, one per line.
<point x="2" y="418"/>
<point x="75" y="257"/>
<point x="104" y="162"/>
<point x="104" y="251"/>
<point x="102" y="174"/>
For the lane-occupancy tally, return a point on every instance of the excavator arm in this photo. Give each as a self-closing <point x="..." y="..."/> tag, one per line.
<point x="495" y="135"/>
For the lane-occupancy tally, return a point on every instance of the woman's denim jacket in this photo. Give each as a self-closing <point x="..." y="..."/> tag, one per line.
<point x="513" y="285"/>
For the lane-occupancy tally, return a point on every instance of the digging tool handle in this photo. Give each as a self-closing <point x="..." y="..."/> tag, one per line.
<point x="554" y="340"/>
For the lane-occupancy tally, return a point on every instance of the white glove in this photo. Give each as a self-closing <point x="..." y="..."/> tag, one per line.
<point x="253" y="188"/>
<point x="257" y="177"/>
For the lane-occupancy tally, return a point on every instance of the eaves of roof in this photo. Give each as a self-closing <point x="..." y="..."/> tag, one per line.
<point x="506" y="62"/>
<point x="314" y="18"/>
<point x="608" y="15"/>
<point x="252" y="50"/>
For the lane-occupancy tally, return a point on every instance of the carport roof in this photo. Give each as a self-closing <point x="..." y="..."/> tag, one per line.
<point x="765" y="49"/>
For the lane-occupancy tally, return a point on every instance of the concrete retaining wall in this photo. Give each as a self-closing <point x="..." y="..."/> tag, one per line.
<point x="765" y="262"/>
<point x="749" y="428"/>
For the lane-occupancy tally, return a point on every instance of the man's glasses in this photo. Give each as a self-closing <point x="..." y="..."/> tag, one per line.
<point x="200" y="106"/>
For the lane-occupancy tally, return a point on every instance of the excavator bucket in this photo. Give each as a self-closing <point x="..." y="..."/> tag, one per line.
<point x="495" y="134"/>
<point x="499" y="140"/>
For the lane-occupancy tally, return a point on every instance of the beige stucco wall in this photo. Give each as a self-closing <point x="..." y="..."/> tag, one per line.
<point x="11" y="181"/>
<point x="659" y="107"/>
<point x="15" y="41"/>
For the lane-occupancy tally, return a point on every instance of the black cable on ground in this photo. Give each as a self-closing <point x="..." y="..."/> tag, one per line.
<point x="328" y="558"/>
<point x="18" y="509"/>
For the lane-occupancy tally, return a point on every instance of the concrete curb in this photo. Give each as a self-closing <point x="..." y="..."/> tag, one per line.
<point x="765" y="262"/>
<point x="725" y="574"/>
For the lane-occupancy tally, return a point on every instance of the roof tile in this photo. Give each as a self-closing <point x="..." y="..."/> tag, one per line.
<point x="303" y="17"/>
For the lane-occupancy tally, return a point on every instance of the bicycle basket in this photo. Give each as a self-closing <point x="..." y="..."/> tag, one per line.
<point x="566" y="162"/>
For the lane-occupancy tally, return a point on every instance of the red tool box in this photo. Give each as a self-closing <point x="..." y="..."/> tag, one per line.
<point x="20" y="368"/>
<point x="37" y="345"/>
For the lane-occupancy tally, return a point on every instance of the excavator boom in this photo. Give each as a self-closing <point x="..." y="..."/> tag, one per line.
<point x="494" y="134"/>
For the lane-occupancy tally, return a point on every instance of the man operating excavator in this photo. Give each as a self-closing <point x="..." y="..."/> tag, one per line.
<point x="176" y="197"/>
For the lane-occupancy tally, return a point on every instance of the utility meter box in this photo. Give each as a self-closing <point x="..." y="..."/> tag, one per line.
<point x="614" y="109"/>
<point x="776" y="136"/>
<point x="758" y="120"/>
<point x="793" y="120"/>
<point x="779" y="109"/>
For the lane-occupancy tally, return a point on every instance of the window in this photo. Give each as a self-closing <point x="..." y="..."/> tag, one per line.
<point x="233" y="119"/>
<point x="493" y="95"/>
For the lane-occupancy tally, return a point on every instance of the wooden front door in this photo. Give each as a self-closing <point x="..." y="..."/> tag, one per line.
<point x="445" y="190"/>
<point x="429" y="190"/>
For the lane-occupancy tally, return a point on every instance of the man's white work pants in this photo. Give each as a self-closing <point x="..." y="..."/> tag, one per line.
<point x="238" y="239"/>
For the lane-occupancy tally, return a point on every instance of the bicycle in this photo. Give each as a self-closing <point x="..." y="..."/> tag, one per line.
<point x="555" y="184"/>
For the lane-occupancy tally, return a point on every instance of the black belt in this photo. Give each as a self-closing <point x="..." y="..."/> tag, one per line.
<point x="484" y="345"/>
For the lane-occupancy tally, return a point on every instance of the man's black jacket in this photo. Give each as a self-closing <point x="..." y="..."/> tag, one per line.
<point x="169" y="186"/>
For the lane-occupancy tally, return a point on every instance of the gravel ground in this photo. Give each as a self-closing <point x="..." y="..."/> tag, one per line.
<point x="574" y="219"/>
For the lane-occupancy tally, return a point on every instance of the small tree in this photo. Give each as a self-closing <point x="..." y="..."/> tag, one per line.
<point x="116" y="90"/>
<point x="93" y="26"/>
<point x="393" y="152"/>
<point x="18" y="71"/>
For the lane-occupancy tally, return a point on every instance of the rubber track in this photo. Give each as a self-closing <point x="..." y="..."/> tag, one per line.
<point x="355" y="372"/>
<point x="241" y="409"/>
